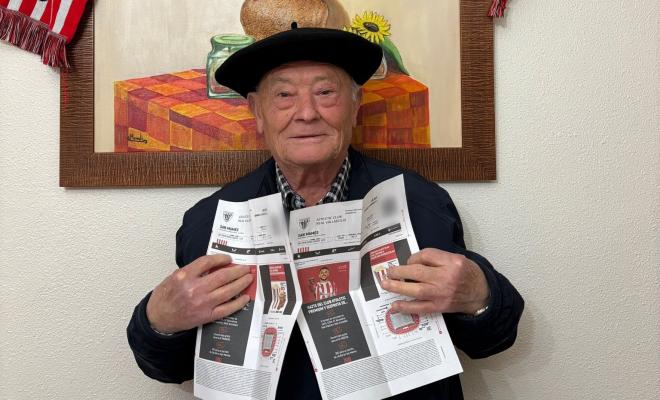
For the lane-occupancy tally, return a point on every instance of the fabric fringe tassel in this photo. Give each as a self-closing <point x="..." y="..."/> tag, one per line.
<point x="33" y="36"/>
<point x="7" y="23"/>
<point x="497" y="9"/>
<point x="54" y="51"/>
<point x="18" y="28"/>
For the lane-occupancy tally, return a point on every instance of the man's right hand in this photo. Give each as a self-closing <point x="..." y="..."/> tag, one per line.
<point x="198" y="293"/>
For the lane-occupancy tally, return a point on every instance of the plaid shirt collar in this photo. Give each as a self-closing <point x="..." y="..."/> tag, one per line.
<point x="337" y="192"/>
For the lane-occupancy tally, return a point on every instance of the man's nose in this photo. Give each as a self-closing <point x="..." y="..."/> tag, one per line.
<point x="306" y="108"/>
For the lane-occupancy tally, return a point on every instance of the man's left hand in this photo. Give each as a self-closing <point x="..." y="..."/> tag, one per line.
<point x="438" y="281"/>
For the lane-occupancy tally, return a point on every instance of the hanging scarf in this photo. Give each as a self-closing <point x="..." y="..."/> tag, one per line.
<point x="42" y="27"/>
<point x="497" y="8"/>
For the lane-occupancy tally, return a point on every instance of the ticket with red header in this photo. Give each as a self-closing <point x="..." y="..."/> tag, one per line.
<point x="240" y="356"/>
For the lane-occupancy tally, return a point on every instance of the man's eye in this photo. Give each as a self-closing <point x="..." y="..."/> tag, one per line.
<point x="283" y="94"/>
<point x="326" y="92"/>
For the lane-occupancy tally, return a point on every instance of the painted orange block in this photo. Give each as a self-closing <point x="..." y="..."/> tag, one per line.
<point x="376" y="107"/>
<point x="121" y="112"/>
<point x="189" y="110"/>
<point x="167" y="89"/>
<point x="144" y="82"/>
<point x="400" y="119"/>
<point x="374" y="85"/>
<point x="167" y="102"/>
<point x="370" y="97"/>
<point x="421" y="136"/>
<point x="188" y="74"/>
<point x="122" y="88"/>
<point x="412" y="86"/>
<point x="121" y="139"/>
<point x="375" y="120"/>
<point x="202" y="142"/>
<point x="420" y="99"/>
<point x="158" y="110"/>
<point x="137" y="119"/>
<point x="212" y="104"/>
<point x="210" y="124"/>
<point x="180" y="136"/>
<point x="250" y="141"/>
<point x="233" y="128"/>
<point x="189" y="84"/>
<point x="374" y="137"/>
<point x="398" y="79"/>
<point x="389" y="93"/>
<point x="398" y="103"/>
<point x="236" y="113"/>
<point x="158" y="128"/>
<point x="139" y="98"/>
<point x="421" y="117"/>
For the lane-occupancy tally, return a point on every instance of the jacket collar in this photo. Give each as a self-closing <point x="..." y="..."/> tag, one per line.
<point x="360" y="181"/>
<point x="268" y="185"/>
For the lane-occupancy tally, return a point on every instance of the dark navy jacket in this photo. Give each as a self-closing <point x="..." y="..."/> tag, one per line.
<point x="436" y="224"/>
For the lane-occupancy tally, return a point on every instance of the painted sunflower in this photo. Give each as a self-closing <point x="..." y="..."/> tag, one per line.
<point x="350" y="29"/>
<point x="371" y="26"/>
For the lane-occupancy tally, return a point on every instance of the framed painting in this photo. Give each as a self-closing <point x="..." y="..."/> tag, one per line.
<point x="136" y="108"/>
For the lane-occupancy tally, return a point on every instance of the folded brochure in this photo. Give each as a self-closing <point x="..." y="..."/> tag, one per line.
<point x="329" y="265"/>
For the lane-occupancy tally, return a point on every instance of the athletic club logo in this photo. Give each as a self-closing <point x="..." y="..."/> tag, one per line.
<point x="227" y="215"/>
<point x="304" y="223"/>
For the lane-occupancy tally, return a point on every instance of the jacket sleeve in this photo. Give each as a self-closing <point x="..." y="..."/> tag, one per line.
<point x="170" y="358"/>
<point x="167" y="358"/>
<point x="495" y="330"/>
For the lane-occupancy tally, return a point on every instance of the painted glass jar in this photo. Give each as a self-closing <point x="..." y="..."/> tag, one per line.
<point x="222" y="46"/>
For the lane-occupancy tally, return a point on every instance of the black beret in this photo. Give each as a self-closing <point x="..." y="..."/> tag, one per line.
<point x="243" y="70"/>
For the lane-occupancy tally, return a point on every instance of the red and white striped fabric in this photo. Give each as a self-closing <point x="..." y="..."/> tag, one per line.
<point x="381" y="275"/>
<point x="497" y="8"/>
<point x="324" y="290"/>
<point x="43" y="27"/>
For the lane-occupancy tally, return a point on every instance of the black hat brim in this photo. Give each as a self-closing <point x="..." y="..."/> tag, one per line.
<point x="243" y="70"/>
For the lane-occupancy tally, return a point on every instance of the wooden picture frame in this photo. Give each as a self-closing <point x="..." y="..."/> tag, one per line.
<point x="80" y="166"/>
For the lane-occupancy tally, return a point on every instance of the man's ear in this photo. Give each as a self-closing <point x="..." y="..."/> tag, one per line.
<point x="356" y="106"/>
<point x="255" y="109"/>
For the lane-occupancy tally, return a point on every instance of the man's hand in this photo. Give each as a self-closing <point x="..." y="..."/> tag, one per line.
<point x="441" y="282"/>
<point x="198" y="293"/>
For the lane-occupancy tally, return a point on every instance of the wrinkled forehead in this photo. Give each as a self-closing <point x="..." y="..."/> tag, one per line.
<point x="291" y="72"/>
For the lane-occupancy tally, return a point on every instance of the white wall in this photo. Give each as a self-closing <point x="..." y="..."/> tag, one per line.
<point x="572" y="220"/>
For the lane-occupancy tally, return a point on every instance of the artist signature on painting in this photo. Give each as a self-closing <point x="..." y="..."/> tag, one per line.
<point x="139" y="139"/>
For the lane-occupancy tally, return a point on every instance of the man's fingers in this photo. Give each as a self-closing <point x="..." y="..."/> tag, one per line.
<point x="228" y="291"/>
<point x="414" y="307"/>
<point x="433" y="257"/>
<point x="421" y="291"/>
<point x="414" y="272"/>
<point x="206" y="263"/>
<point x="229" y="307"/>
<point x="223" y="276"/>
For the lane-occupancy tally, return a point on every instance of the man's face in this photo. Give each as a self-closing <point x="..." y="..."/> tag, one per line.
<point x="306" y="112"/>
<point x="323" y="274"/>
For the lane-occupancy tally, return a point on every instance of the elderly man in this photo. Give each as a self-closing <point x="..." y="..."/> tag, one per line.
<point x="303" y="88"/>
